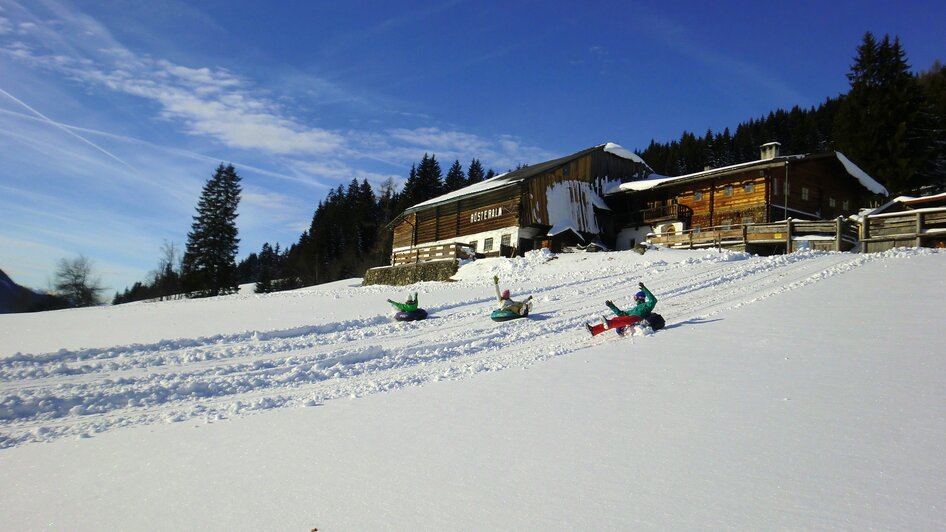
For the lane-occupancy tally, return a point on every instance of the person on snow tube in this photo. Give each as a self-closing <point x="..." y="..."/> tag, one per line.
<point x="507" y="303"/>
<point x="644" y="303"/>
<point x="409" y="306"/>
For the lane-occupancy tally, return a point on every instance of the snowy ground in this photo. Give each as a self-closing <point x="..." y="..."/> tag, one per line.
<point x="801" y="391"/>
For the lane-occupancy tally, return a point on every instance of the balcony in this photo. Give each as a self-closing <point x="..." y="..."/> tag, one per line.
<point x="667" y="213"/>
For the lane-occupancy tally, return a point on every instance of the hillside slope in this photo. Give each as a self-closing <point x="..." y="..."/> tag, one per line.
<point x="799" y="391"/>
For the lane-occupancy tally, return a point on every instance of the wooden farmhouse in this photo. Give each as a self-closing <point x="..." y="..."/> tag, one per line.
<point x="767" y="205"/>
<point x="552" y="204"/>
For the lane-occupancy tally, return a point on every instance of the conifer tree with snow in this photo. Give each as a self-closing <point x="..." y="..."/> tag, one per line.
<point x="209" y="265"/>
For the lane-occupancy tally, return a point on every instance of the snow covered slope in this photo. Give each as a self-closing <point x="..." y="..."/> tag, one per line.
<point x="798" y="391"/>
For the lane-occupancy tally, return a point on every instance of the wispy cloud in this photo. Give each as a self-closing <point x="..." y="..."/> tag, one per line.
<point x="98" y="181"/>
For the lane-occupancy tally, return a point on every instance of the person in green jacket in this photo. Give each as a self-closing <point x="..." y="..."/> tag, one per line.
<point x="644" y="303"/>
<point x="409" y="306"/>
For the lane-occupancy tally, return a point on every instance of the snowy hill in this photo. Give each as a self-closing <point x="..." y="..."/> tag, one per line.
<point x="799" y="391"/>
<point x="15" y="298"/>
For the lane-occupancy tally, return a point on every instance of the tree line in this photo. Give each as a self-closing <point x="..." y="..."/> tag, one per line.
<point x="891" y="122"/>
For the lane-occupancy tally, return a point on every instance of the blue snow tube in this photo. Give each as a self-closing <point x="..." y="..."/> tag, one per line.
<point x="413" y="315"/>
<point x="506" y="315"/>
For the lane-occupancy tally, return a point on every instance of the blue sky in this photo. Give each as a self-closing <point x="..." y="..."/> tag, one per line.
<point x="114" y="113"/>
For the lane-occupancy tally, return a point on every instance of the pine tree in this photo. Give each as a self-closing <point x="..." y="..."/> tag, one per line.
<point x="474" y="174"/>
<point x="209" y="265"/>
<point x="880" y="124"/>
<point x="455" y="179"/>
<point x="267" y="265"/>
<point x="423" y="183"/>
<point x="933" y="85"/>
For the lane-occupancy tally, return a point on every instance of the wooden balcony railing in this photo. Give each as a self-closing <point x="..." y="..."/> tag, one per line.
<point x="665" y="213"/>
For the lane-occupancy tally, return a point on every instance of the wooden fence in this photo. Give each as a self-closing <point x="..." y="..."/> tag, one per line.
<point x="837" y="235"/>
<point x="919" y="228"/>
<point x="429" y="253"/>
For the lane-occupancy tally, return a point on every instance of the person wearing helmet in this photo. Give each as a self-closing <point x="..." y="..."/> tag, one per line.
<point x="644" y="303"/>
<point x="507" y="303"/>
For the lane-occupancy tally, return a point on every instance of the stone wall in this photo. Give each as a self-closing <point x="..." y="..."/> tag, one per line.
<point x="440" y="270"/>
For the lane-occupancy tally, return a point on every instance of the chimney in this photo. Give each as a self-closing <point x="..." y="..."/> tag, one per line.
<point x="769" y="150"/>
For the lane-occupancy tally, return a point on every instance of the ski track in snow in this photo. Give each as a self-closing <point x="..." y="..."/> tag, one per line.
<point x="82" y="392"/>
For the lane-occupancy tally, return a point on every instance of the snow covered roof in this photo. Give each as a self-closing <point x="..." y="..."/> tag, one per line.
<point x="517" y="176"/>
<point x="866" y="180"/>
<point x="911" y="202"/>
<point x="658" y="180"/>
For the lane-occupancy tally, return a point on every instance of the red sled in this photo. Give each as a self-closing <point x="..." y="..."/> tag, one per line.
<point x="618" y="322"/>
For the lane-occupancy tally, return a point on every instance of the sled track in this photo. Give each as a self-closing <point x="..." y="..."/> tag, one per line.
<point x="82" y="392"/>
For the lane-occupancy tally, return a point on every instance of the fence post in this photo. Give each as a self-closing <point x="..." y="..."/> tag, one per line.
<point x="865" y="234"/>
<point x="788" y="236"/>
<point x="837" y="233"/>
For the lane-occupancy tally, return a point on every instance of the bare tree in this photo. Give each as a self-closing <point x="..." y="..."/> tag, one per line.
<point x="74" y="281"/>
<point x="166" y="279"/>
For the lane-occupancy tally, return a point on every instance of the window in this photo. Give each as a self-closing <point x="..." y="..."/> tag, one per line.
<point x="727" y="190"/>
<point x="696" y="228"/>
<point x="505" y="240"/>
<point x="832" y="202"/>
<point x="804" y="193"/>
<point x="473" y="246"/>
<point x="846" y="205"/>
<point x="749" y="187"/>
<point x="727" y="224"/>
<point x="746" y="220"/>
<point x="697" y="196"/>
<point x="487" y="244"/>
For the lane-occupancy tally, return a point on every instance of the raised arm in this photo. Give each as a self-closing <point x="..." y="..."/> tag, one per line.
<point x="651" y="300"/>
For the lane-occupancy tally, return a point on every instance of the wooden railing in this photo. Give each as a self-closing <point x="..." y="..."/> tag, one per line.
<point x="665" y="213"/>
<point x="429" y="253"/>
<point x="839" y="235"/>
<point x="919" y="228"/>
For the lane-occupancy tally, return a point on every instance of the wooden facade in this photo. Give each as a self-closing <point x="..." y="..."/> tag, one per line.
<point x="514" y="212"/>
<point x="802" y="187"/>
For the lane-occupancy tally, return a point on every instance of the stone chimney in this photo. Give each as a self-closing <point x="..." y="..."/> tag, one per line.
<point x="769" y="150"/>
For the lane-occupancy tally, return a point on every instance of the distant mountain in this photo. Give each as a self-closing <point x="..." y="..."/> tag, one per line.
<point x="15" y="298"/>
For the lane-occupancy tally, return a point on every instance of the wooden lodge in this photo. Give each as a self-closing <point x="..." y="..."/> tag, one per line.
<point x="750" y="205"/>
<point x="553" y="204"/>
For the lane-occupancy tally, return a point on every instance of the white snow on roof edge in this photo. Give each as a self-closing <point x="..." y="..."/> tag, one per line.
<point x="647" y="183"/>
<point x="869" y="182"/>
<point x="621" y="151"/>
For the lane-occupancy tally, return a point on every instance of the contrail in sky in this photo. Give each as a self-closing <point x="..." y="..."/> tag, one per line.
<point x="65" y="129"/>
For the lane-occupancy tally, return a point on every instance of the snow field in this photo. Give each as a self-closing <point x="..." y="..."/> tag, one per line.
<point x="79" y="392"/>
